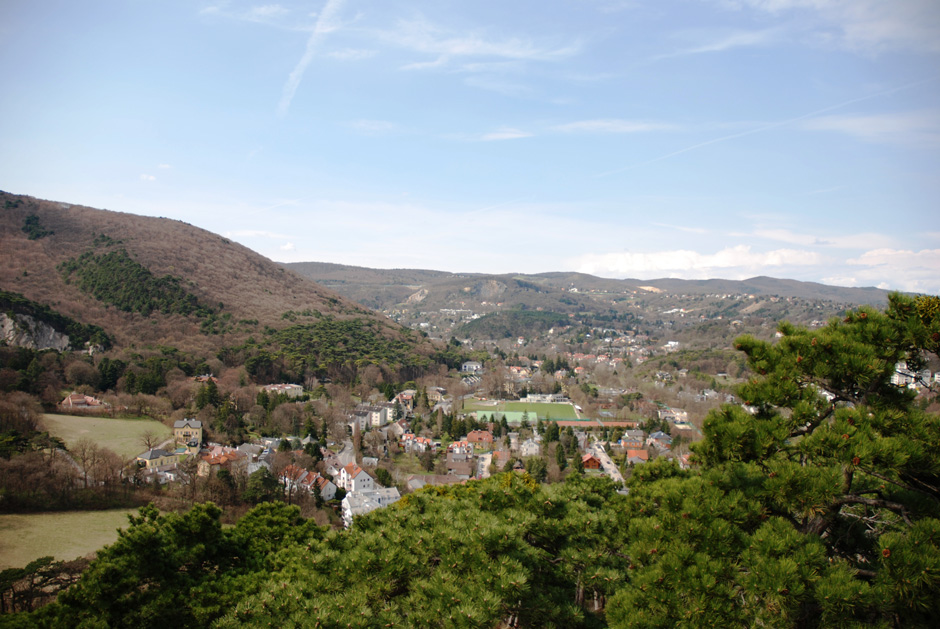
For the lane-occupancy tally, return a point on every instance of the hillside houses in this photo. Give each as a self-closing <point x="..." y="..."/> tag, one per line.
<point x="530" y="447"/>
<point x="363" y="494"/>
<point x="290" y="390"/>
<point x="297" y="479"/>
<point x="482" y="437"/>
<point x="637" y="456"/>
<point x="409" y="442"/>
<point x="157" y="459"/>
<point x="590" y="462"/>
<point x="462" y="466"/>
<point x="354" y="478"/>
<point x="373" y="415"/>
<point x="660" y="440"/>
<point x="460" y="447"/>
<point x="80" y="402"/>
<point x="220" y="457"/>
<point x="188" y="433"/>
<point x="634" y="439"/>
<point x="472" y="367"/>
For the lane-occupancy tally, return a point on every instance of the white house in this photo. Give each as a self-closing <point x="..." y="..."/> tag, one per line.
<point x="326" y="487"/>
<point x="290" y="390"/>
<point x="471" y="366"/>
<point x="362" y="502"/>
<point x="530" y="447"/>
<point x="354" y="478"/>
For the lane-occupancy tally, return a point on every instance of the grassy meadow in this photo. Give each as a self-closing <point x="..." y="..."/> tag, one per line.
<point x="65" y="535"/>
<point x="120" y="435"/>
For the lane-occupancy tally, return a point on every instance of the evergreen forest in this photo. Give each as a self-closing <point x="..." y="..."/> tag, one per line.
<point x="117" y="279"/>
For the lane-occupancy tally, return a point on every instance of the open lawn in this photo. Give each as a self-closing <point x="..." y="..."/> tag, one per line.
<point x="120" y="435"/>
<point x="65" y="535"/>
<point x="545" y="410"/>
<point x="540" y="409"/>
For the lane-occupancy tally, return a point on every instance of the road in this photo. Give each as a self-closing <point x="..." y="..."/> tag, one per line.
<point x="606" y="463"/>
<point x="347" y="455"/>
<point x="483" y="465"/>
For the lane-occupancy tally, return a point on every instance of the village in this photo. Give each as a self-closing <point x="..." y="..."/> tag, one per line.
<point x="360" y="479"/>
<point x="422" y="437"/>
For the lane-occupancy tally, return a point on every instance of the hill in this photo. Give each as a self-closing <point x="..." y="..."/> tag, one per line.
<point x="392" y="287"/>
<point x="481" y="306"/>
<point x="156" y="281"/>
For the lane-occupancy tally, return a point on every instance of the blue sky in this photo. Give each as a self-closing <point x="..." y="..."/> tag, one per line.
<point x="675" y="138"/>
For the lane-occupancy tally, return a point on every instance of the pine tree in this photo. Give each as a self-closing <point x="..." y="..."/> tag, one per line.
<point x="820" y="504"/>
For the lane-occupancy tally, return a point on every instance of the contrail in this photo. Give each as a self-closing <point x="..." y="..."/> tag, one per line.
<point x="768" y="127"/>
<point x="324" y="25"/>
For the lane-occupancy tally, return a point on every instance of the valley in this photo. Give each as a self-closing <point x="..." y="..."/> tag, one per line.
<point x="147" y="363"/>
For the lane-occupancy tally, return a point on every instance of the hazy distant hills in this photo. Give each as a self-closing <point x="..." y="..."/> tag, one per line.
<point x="387" y="289"/>
<point x="154" y="280"/>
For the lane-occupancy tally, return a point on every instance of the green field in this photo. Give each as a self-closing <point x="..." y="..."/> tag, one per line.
<point x="540" y="409"/>
<point x="66" y="535"/>
<point x="543" y="409"/>
<point x="120" y="435"/>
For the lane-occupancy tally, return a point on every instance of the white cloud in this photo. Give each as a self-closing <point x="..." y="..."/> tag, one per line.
<point x="498" y="85"/>
<point x="613" y="126"/>
<point x="145" y="177"/>
<point x="164" y="166"/>
<point x="505" y="133"/>
<point x="287" y="246"/>
<point x="732" y="262"/>
<point x="494" y="67"/>
<point x="326" y="23"/>
<point x="352" y="54"/>
<point x="842" y="241"/>
<point x="419" y="35"/>
<point x="915" y="271"/>
<point x="267" y="11"/>
<point x="910" y="128"/>
<point x="927" y="258"/>
<point x="740" y="39"/>
<point x="864" y="25"/>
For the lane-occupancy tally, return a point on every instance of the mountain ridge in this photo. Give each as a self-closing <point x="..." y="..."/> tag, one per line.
<point x="380" y="288"/>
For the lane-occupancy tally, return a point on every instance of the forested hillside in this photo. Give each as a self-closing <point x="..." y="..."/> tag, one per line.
<point x="152" y="280"/>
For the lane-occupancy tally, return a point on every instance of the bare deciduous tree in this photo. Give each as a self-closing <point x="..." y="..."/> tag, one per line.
<point x="149" y="440"/>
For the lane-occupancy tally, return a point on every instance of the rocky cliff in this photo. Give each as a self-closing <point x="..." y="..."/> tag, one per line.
<point x="24" y="331"/>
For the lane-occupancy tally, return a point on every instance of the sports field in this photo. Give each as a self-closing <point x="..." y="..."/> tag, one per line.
<point x="544" y="410"/>
<point x="119" y="435"/>
<point x="65" y="535"/>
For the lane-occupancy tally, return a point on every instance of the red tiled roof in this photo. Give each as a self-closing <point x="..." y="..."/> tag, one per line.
<point x="353" y="470"/>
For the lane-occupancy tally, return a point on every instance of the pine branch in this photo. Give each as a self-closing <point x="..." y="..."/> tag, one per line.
<point x="809" y="427"/>
<point x="875" y="502"/>
<point x="889" y="480"/>
<point x="931" y="490"/>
